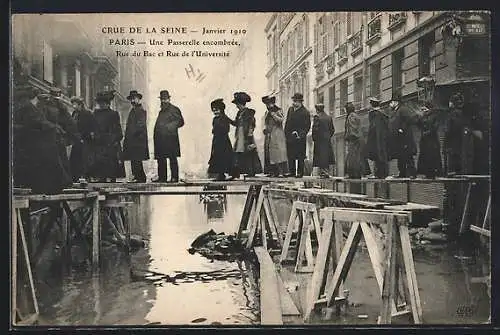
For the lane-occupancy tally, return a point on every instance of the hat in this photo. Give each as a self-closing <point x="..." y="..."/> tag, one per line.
<point x="298" y="97"/>
<point x="241" y="97"/>
<point x="268" y="100"/>
<point x="396" y="96"/>
<point x="349" y="107"/>
<point x="26" y="91"/>
<point x="218" y="104"/>
<point x="319" y="106"/>
<point x="457" y="99"/>
<point x="134" y="94"/>
<point x="55" y="91"/>
<point x="76" y="99"/>
<point x="164" y="94"/>
<point x="102" y="97"/>
<point x="374" y="99"/>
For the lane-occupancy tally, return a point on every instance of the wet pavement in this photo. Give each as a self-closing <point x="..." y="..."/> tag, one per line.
<point x="162" y="283"/>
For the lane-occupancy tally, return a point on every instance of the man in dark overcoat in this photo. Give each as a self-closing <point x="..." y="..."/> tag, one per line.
<point x="166" y="138"/>
<point x="135" y="144"/>
<point x="377" y="142"/>
<point x="297" y="125"/>
<point x="80" y="152"/>
<point x="402" y="141"/>
<point x="322" y="132"/>
<point x="37" y="164"/>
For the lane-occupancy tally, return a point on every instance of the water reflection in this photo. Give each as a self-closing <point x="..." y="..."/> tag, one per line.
<point x="161" y="283"/>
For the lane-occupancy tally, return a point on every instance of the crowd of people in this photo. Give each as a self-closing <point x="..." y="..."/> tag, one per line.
<point x="44" y="129"/>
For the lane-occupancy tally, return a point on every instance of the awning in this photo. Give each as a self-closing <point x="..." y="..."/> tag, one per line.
<point x="464" y="81"/>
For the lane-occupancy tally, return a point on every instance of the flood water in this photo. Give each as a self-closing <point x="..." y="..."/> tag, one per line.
<point x="206" y="292"/>
<point x="226" y="293"/>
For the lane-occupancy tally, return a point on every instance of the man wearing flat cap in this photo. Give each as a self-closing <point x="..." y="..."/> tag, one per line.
<point x="377" y="143"/>
<point x="108" y="164"/>
<point x="322" y="132"/>
<point x="135" y="144"/>
<point x="402" y="140"/>
<point x="247" y="160"/>
<point x="37" y="164"/>
<point x="166" y="138"/>
<point x="275" y="156"/>
<point x="298" y="124"/>
<point x="81" y="151"/>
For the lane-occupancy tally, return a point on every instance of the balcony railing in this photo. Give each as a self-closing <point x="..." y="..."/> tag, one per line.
<point x="342" y="53"/>
<point x="396" y="19"/>
<point x="374" y="28"/>
<point x="356" y="45"/>
<point x="330" y="63"/>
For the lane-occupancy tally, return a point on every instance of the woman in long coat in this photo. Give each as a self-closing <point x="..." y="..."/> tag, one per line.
<point x="221" y="155"/>
<point x="354" y="162"/>
<point x="37" y="163"/>
<point x="247" y="160"/>
<point x="429" y="158"/>
<point x="322" y="132"/>
<point x="107" y="143"/>
<point x="275" y="141"/>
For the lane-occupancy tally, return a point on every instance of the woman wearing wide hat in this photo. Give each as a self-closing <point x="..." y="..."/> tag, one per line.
<point x="221" y="155"/>
<point x="108" y="164"/>
<point x="247" y="160"/>
<point x="135" y="144"/>
<point x="275" y="155"/>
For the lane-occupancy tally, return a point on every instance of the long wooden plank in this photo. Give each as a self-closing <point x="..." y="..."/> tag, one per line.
<point x="288" y="307"/>
<point x="14" y="229"/>
<point x="480" y="230"/>
<point x="60" y="197"/>
<point x="301" y="250"/>
<point x="463" y="222"/>
<point x="388" y="289"/>
<point x="172" y="192"/>
<point x="372" y="217"/>
<point x="270" y="302"/>
<point x="255" y="219"/>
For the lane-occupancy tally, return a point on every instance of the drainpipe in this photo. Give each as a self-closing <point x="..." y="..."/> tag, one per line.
<point x="364" y="34"/>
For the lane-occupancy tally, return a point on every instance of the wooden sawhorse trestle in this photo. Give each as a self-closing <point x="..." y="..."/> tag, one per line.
<point x="398" y="260"/>
<point x="308" y="221"/>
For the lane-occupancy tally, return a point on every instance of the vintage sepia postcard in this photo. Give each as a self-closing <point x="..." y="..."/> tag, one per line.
<point x="248" y="169"/>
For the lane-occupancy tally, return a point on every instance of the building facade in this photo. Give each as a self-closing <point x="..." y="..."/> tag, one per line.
<point x="67" y="52"/>
<point x="355" y="55"/>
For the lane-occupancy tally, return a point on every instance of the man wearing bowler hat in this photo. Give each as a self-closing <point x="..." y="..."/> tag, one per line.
<point x="402" y="141"/>
<point x="166" y="138"/>
<point x="135" y="144"/>
<point x="322" y="132"/>
<point x="377" y="143"/>
<point x="298" y="123"/>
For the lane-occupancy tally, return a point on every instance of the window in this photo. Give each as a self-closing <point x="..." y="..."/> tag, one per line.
<point x="397" y="69"/>
<point x="283" y="57"/>
<point x="291" y="49"/>
<point x="48" y="73"/>
<point x="348" y="21"/>
<point x="358" y="89"/>
<point x="343" y="95"/>
<point x="356" y="22"/>
<point x="375" y="79"/>
<point x="316" y="44"/>
<point x="426" y="63"/>
<point x="323" y="36"/>
<point x="320" y="98"/>
<point x="78" y="81"/>
<point x="276" y="43"/>
<point x="336" y="33"/>
<point x="300" y="36"/>
<point x="269" y="50"/>
<point x="331" y="98"/>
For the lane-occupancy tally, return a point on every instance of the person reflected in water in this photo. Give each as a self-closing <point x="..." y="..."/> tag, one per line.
<point x="221" y="155"/>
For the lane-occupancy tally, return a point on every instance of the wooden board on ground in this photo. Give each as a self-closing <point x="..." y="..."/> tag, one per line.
<point x="270" y="305"/>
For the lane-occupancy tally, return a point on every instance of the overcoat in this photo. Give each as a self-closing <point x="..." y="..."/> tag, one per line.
<point x="354" y="162"/>
<point x="322" y="132"/>
<point x="300" y="121"/>
<point x="274" y="141"/>
<point x="107" y="145"/>
<point x="475" y="150"/>
<point x="248" y="162"/>
<point x="166" y="134"/>
<point x="221" y="155"/>
<point x="453" y="137"/>
<point x="37" y="162"/>
<point x="429" y="159"/>
<point x="135" y="143"/>
<point x="402" y="142"/>
<point x="81" y="152"/>
<point x="378" y="133"/>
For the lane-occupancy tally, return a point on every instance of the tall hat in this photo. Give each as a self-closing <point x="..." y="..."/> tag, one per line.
<point x="268" y="99"/>
<point x="319" y="106"/>
<point x="298" y="97"/>
<point x="164" y="94"/>
<point x="396" y="96"/>
<point x="134" y="94"/>
<point x="76" y="99"/>
<point x="241" y="97"/>
<point x="218" y="104"/>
